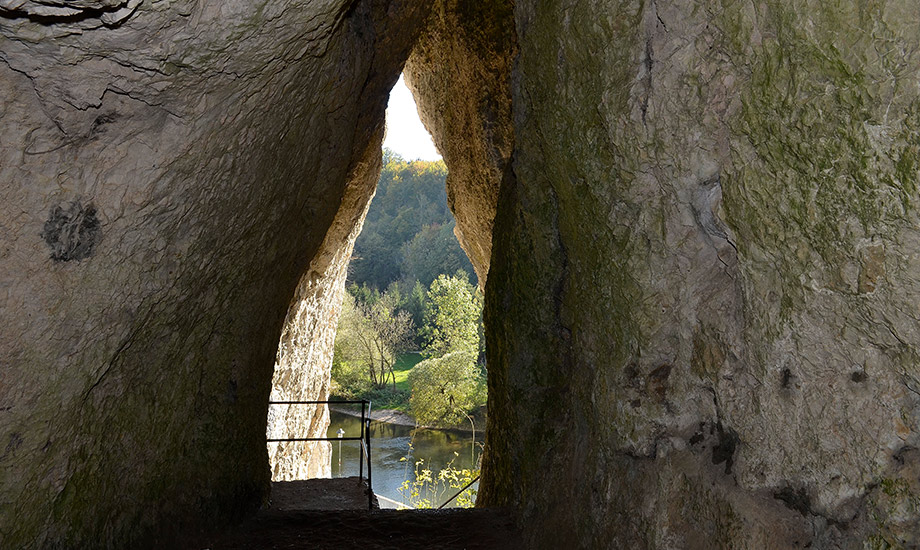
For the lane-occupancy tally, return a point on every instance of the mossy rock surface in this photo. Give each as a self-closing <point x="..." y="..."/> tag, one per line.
<point x="710" y="236"/>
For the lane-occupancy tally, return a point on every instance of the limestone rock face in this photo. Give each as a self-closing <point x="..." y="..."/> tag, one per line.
<point x="701" y="310"/>
<point x="304" y="363"/>
<point x="460" y="74"/>
<point x="109" y="12"/>
<point x="170" y="181"/>
<point x="702" y="257"/>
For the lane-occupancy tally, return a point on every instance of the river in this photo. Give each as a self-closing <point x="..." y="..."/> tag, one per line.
<point x="394" y="451"/>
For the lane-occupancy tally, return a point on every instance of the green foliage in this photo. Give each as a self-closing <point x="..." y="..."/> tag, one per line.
<point x="453" y="315"/>
<point x="369" y="339"/>
<point x="349" y="380"/>
<point x="408" y="232"/>
<point x="432" y="251"/>
<point x="364" y="294"/>
<point x="406" y="246"/>
<point x="426" y="489"/>
<point x="415" y="303"/>
<point x="349" y="372"/>
<point x="412" y="302"/>
<point x="446" y="389"/>
<point x="388" y="397"/>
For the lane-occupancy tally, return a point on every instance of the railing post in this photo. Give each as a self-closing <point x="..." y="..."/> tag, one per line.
<point x="364" y="439"/>
<point x="370" y="486"/>
<point x="360" y="454"/>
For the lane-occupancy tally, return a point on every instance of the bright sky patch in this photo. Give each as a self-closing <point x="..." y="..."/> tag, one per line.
<point x="405" y="133"/>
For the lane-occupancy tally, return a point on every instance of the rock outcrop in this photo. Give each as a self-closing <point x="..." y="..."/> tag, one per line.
<point x="304" y="363"/>
<point x="701" y="311"/>
<point x="459" y="72"/>
<point x="171" y="172"/>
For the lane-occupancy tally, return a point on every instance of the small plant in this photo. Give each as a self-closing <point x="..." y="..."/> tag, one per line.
<point x="426" y="489"/>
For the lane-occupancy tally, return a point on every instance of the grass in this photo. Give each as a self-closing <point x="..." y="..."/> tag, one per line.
<point x="398" y="398"/>
<point x="402" y="367"/>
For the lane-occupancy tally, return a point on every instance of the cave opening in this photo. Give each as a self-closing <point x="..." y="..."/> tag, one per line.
<point x="222" y="154"/>
<point x="700" y="294"/>
<point x="458" y="72"/>
<point x="411" y="313"/>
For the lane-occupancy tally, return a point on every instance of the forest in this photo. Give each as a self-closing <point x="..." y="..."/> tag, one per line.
<point x="410" y="330"/>
<point x="408" y="234"/>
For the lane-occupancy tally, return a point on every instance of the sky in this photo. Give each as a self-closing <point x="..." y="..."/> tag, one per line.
<point x="405" y="133"/>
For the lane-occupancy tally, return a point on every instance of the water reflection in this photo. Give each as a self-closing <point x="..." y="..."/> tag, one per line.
<point x="390" y="443"/>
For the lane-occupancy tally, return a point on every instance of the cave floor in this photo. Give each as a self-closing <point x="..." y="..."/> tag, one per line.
<point x="344" y="493"/>
<point x="332" y="513"/>
<point x="476" y="528"/>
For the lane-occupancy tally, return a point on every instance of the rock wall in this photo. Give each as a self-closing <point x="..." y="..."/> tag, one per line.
<point x="702" y="303"/>
<point x="459" y="72"/>
<point x="701" y="300"/>
<point x="303" y="366"/>
<point x="170" y="171"/>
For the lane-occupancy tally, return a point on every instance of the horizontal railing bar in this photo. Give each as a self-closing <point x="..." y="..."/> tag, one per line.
<point x="316" y="402"/>
<point x="465" y="487"/>
<point x="315" y="439"/>
<point x="364" y="438"/>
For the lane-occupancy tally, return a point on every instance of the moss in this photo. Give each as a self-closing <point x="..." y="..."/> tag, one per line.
<point x="815" y="174"/>
<point x="805" y="114"/>
<point x="877" y="542"/>
<point x="894" y="509"/>
<point x="894" y="487"/>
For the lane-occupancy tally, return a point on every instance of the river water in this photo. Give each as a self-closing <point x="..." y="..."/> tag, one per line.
<point x="394" y="452"/>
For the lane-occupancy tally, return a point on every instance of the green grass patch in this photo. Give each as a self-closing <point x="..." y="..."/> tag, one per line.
<point x="402" y="367"/>
<point x="389" y="397"/>
<point x="396" y="398"/>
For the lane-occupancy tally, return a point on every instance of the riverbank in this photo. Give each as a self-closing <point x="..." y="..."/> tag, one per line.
<point x="400" y="418"/>
<point x="390" y="416"/>
<point x="399" y="454"/>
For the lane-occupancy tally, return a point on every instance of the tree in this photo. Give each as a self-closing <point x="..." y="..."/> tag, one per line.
<point x="394" y="331"/>
<point x="369" y="339"/>
<point x="415" y="303"/>
<point x="349" y="371"/>
<point x="432" y="251"/>
<point x="408" y="231"/>
<point x="446" y="389"/>
<point x="364" y="294"/>
<point x="453" y="314"/>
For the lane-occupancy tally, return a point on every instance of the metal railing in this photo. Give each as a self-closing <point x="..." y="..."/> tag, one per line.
<point x="364" y="438"/>
<point x="460" y="492"/>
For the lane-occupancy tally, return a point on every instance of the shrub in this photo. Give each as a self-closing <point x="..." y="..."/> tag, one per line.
<point x="446" y="389"/>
